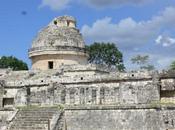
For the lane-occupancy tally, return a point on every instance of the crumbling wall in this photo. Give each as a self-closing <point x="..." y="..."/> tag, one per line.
<point x="51" y="94"/>
<point x="136" y="92"/>
<point x="5" y="117"/>
<point x="47" y="95"/>
<point x="168" y="90"/>
<point x="38" y="95"/>
<point x="105" y="93"/>
<point x="21" y="97"/>
<point x="118" y="88"/>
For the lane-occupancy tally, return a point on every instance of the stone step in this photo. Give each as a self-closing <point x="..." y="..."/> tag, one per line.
<point x="30" y="119"/>
<point x="29" y="128"/>
<point x="51" y="110"/>
<point x="35" y="116"/>
<point x="40" y="110"/>
<point x="29" y="125"/>
<point x="33" y="119"/>
<point x="38" y="113"/>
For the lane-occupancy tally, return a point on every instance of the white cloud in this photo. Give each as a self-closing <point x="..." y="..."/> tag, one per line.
<point x="165" y="41"/>
<point x="133" y="36"/>
<point x="125" y="33"/>
<point x="114" y="3"/>
<point x="128" y="33"/>
<point x="162" y="61"/>
<point x="165" y="62"/>
<point x="62" y="4"/>
<point x="55" y="4"/>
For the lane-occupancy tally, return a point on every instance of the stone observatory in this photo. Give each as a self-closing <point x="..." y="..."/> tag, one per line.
<point x="63" y="92"/>
<point x="59" y="43"/>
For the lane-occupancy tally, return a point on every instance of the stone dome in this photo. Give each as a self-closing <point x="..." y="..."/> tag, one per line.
<point x="60" y="42"/>
<point x="60" y="32"/>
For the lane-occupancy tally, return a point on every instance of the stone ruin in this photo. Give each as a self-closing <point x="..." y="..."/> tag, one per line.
<point x="74" y="95"/>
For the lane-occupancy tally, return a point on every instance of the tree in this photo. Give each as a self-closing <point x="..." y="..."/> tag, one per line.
<point x="172" y="66"/>
<point x="12" y="62"/>
<point x="142" y="62"/>
<point x="148" y="67"/>
<point x="105" y="54"/>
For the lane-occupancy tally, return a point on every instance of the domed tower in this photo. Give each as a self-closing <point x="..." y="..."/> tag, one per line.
<point x="57" y="44"/>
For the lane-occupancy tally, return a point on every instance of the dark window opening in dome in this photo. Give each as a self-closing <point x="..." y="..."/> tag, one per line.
<point x="50" y="64"/>
<point x="68" y="23"/>
<point x="55" y="22"/>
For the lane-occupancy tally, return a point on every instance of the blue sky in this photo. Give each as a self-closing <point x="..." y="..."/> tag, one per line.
<point x="136" y="26"/>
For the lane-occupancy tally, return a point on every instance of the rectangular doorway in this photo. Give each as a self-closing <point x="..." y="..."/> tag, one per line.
<point x="8" y="102"/>
<point x="50" y="64"/>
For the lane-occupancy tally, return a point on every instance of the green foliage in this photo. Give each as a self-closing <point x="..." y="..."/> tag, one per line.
<point x="148" y="67"/>
<point x="172" y="66"/>
<point x="12" y="62"/>
<point x="105" y="54"/>
<point x="142" y="62"/>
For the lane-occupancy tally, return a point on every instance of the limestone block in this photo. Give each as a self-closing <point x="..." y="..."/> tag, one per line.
<point x="167" y="84"/>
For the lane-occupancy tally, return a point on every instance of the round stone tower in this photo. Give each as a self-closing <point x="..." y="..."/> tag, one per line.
<point x="60" y="43"/>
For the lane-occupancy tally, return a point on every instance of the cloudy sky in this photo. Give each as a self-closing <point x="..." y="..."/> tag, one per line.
<point x="136" y="26"/>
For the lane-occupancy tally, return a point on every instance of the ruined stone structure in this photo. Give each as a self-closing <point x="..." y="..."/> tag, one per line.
<point x="57" y="44"/>
<point x="80" y="96"/>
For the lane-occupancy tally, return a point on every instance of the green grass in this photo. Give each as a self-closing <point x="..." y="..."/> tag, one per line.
<point x="160" y="103"/>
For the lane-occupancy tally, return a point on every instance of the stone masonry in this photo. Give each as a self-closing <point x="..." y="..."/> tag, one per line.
<point x="63" y="92"/>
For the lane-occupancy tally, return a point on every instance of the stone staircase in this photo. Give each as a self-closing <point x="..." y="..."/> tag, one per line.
<point x="34" y="119"/>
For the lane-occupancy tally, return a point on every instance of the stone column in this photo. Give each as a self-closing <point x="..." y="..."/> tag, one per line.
<point x="98" y="95"/>
<point x="77" y="96"/>
<point x="50" y="93"/>
<point x="82" y="95"/>
<point x="156" y="85"/>
<point x="88" y="95"/>
<point x="21" y="97"/>
<point x="67" y="102"/>
<point x="94" y="96"/>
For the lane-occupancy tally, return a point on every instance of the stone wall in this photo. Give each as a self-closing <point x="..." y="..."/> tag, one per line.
<point x="67" y="58"/>
<point x="120" y="119"/>
<point x="168" y="90"/>
<point x="119" y="88"/>
<point x="5" y="117"/>
<point x="21" y="97"/>
<point x="141" y="92"/>
<point x="135" y="92"/>
<point x="111" y="101"/>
